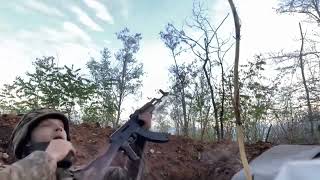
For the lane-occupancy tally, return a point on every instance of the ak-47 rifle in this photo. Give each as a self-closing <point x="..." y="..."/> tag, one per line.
<point x="128" y="137"/>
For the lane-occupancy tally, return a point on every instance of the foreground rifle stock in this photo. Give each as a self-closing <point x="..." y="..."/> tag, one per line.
<point x="130" y="138"/>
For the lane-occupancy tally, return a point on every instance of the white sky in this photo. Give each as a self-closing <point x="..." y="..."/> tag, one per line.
<point x="262" y="31"/>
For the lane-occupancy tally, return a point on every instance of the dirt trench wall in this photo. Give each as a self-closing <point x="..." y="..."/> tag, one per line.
<point x="179" y="159"/>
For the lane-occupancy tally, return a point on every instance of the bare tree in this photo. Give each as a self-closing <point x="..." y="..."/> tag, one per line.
<point x="202" y="47"/>
<point x="129" y="71"/>
<point x="310" y="8"/>
<point x="304" y="82"/>
<point x="172" y="42"/>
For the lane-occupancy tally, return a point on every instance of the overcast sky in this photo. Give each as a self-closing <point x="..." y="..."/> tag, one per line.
<point x="74" y="31"/>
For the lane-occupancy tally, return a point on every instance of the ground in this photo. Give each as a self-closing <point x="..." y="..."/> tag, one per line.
<point x="179" y="159"/>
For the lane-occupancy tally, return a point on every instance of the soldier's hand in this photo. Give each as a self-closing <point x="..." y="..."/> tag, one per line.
<point x="146" y="118"/>
<point x="59" y="148"/>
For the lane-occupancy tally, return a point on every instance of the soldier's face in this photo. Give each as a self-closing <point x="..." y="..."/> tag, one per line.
<point x="47" y="130"/>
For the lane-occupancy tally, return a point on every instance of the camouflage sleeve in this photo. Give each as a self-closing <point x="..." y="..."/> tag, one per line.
<point x="38" y="165"/>
<point x="122" y="168"/>
<point x="117" y="169"/>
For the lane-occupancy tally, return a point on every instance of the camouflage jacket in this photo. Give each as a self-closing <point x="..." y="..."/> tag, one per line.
<point x="38" y="166"/>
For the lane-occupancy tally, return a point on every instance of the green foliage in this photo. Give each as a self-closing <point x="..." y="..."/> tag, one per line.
<point x="115" y="80"/>
<point x="99" y="112"/>
<point x="128" y="71"/>
<point x="76" y="89"/>
<point x="8" y="101"/>
<point x="102" y="107"/>
<point x="171" y="37"/>
<point x="256" y="98"/>
<point x="161" y="118"/>
<point x="48" y="86"/>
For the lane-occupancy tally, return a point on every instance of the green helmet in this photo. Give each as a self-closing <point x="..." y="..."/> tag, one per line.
<point x="21" y="133"/>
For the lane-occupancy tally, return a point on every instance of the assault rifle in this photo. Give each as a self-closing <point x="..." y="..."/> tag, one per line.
<point x="129" y="138"/>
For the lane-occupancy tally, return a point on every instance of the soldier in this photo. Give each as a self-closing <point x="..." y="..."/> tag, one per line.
<point x="51" y="127"/>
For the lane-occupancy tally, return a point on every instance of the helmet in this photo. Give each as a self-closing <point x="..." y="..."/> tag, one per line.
<point x="21" y="133"/>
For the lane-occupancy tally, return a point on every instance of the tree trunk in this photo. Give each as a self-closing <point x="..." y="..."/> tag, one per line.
<point x="222" y="101"/>
<point x="215" y="109"/>
<point x="185" y="127"/>
<point x="121" y="92"/>
<point x="268" y="133"/>
<point x="205" y="123"/>
<point x="305" y="84"/>
<point x="222" y="86"/>
<point x="184" y="111"/>
<point x="201" y="124"/>
<point x="236" y="103"/>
